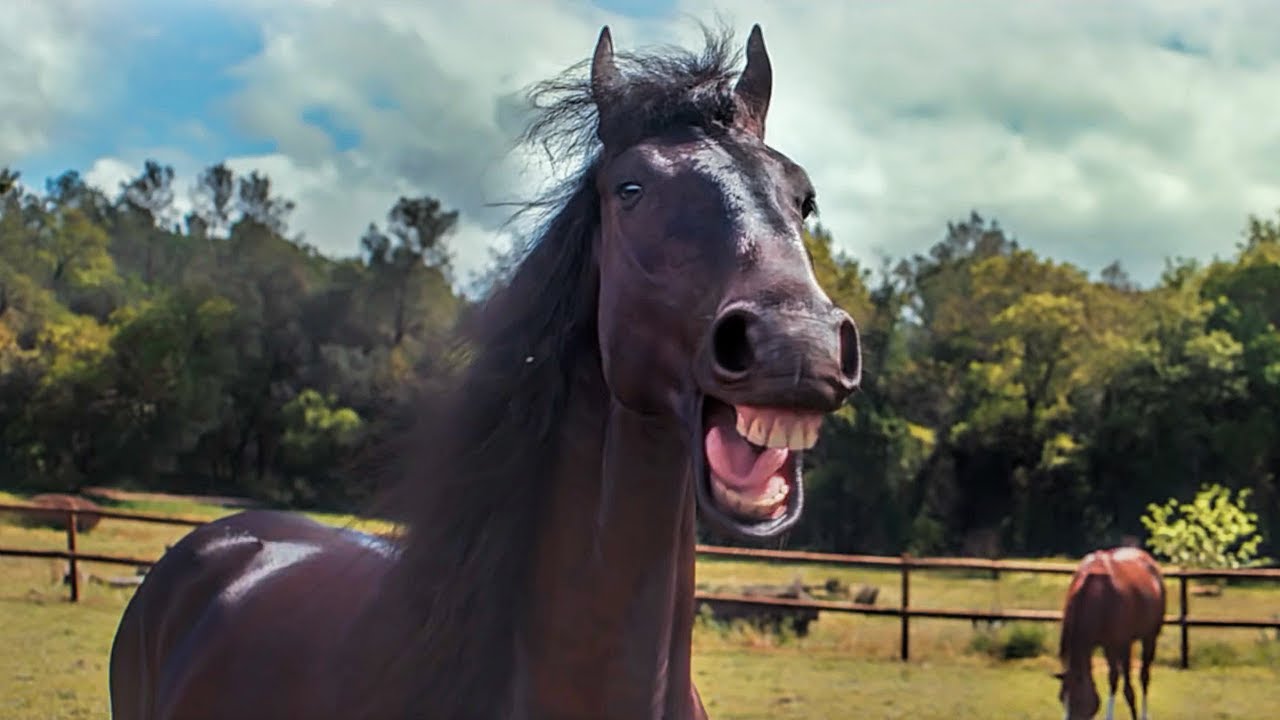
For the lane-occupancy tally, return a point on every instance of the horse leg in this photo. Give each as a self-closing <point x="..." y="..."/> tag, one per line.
<point x="1144" y="675"/>
<point x="1126" y="657"/>
<point x="1113" y="677"/>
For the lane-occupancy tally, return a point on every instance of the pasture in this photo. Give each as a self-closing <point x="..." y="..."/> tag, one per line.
<point x="54" y="658"/>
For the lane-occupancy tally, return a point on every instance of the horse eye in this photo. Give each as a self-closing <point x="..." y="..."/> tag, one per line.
<point x="629" y="191"/>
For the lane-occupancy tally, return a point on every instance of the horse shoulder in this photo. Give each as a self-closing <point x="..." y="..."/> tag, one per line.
<point x="240" y="597"/>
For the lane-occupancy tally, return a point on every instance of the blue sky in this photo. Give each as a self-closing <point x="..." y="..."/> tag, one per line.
<point x="176" y="78"/>
<point x="169" y="86"/>
<point x="1094" y="132"/>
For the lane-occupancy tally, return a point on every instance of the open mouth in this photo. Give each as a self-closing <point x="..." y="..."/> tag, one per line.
<point x="750" y="482"/>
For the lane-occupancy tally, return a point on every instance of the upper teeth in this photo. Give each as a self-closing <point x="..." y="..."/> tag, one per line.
<point x="779" y="428"/>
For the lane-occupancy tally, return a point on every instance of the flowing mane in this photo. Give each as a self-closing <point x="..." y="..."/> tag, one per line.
<point x="480" y="455"/>
<point x="659" y="90"/>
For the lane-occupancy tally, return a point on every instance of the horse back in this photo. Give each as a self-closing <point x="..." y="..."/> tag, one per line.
<point x="235" y="603"/>
<point x="1115" y="596"/>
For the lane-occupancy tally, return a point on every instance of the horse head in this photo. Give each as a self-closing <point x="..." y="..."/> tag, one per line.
<point x="709" y="310"/>
<point x="1078" y="695"/>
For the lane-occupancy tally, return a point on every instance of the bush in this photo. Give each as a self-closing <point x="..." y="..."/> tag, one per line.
<point x="1011" y="642"/>
<point x="1212" y="531"/>
<point x="56" y="517"/>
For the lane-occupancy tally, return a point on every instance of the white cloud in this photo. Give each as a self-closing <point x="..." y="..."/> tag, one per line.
<point x="108" y="174"/>
<point x="331" y="195"/>
<point x="49" y="53"/>
<point x="1072" y="123"/>
<point x="1093" y="131"/>
<point x="426" y="88"/>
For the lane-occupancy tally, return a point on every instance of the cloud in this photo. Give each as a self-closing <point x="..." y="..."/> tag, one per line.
<point x="326" y="197"/>
<point x="108" y="174"/>
<point x="423" y="94"/>
<point x="1092" y="131"/>
<point x="46" y="78"/>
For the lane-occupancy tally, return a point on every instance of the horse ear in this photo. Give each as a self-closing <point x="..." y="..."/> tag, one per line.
<point x="755" y="85"/>
<point x="604" y="72"/>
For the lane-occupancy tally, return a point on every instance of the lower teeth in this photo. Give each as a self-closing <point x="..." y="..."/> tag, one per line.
<point x="760" y="507"/>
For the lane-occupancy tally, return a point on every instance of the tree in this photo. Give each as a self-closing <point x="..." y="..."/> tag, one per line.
<point x="8" y="180"/>
<point x="259" y="204"/>
<point x="213" y="192"/>
<point x="74" y="251"/>
<point x="410" y="264"/>
<point x="151" y="193"/>
<point x="146" y="205"/>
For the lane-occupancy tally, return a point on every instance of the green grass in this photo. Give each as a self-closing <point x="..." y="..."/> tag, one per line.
<point x="53" y="662"/>
<point x="796" y="683"/>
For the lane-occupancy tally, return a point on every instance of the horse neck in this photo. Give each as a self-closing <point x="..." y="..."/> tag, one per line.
<point x="1080" y="621"/>
<point x="609" y="618"/>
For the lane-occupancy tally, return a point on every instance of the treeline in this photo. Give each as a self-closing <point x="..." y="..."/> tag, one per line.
<point x="218" y="354"/>
<point x="1011" y="404"/>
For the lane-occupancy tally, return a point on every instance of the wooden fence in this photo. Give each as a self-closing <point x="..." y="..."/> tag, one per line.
<point x="904" y="564"/>
<point x="904" y="611"/>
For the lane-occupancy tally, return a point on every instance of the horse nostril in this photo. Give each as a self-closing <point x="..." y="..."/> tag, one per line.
<point x="730" y="345"/>
<point x="850" y="351"/>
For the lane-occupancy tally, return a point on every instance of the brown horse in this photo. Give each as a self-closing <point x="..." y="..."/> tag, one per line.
<point x="1117" y="596"/>
<point x="662" y="349"/>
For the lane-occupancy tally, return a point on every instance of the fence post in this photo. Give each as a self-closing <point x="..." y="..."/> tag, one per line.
<point x="71" y="561"/>
<point x="1185" y="660"/>
<point x="905" y="612"/>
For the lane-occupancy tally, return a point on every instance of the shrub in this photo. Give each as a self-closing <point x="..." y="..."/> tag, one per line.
<point x="1011" y="642"/>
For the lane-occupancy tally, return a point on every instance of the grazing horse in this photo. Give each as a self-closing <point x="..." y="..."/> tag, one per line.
<point x="1117" y="596"/>
<point x="662" y="351"/>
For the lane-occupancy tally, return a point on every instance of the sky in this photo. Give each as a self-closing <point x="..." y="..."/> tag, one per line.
<point x="1092" y="132"/>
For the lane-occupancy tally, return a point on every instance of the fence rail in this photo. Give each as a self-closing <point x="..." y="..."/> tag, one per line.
<point x="904" y="564"/>
<point x="951" y="563"/>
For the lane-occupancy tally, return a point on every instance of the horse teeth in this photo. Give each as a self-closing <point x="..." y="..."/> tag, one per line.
<point x="759" y="508"/>
<point x="792" y="433"/>
<point x="777" y="434"/>
<point x="811" y="434"/>
<point x="778" y="428"/>
<point x="797" y="438"/>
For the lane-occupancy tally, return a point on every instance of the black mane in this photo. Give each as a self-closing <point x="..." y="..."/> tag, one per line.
<point x="658" y="90"/>
<point x="480" y="456"/>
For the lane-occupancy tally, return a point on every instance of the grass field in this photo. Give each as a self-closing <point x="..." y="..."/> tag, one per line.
<point x="53" y="655"/>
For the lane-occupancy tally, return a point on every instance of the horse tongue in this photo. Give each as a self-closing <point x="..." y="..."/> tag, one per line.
<point x="739" y="465"/>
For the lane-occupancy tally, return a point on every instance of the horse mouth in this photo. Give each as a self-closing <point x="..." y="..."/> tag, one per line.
<point x="750" y="465"/>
